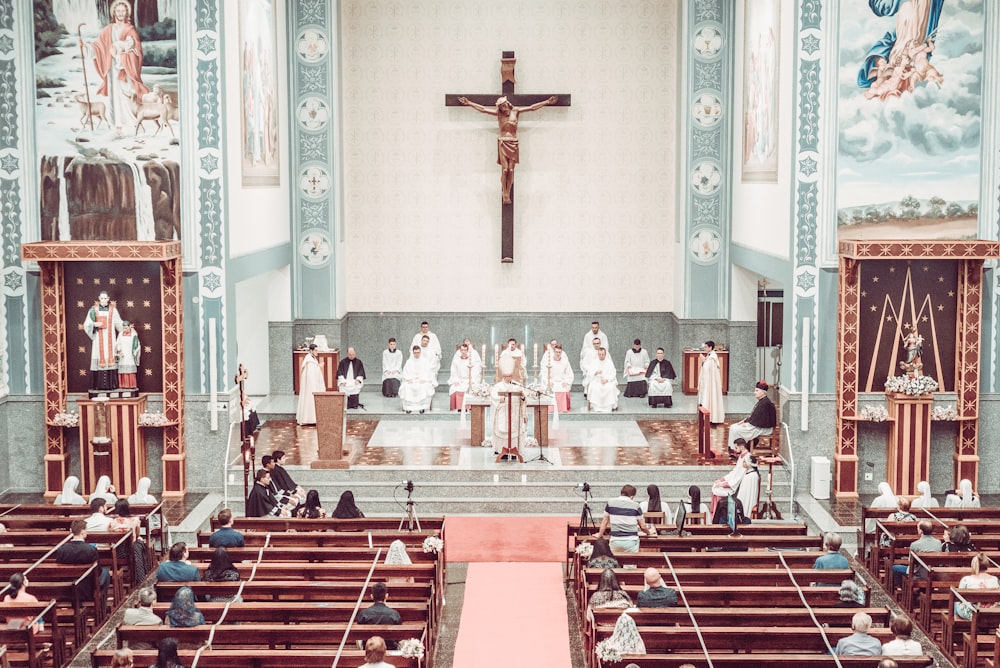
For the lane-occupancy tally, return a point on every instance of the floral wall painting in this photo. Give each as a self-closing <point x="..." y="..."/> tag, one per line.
<point x="106" y="120"/>
<point x="761" y="20"/>
<point x="909" y="119"/>
<point x="259" y="93"/>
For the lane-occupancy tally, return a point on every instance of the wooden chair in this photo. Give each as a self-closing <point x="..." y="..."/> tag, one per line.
<point x="694" y="518"/>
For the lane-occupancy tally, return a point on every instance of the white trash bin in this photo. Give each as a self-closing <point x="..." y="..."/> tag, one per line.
<point x="820" y="478"/>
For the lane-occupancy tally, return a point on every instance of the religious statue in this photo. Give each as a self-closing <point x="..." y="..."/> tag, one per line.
<point x="507" y="151"/>
<point x="127" y="352"/>
<point x="103" y="325"/>
<point x="913" y="344"/>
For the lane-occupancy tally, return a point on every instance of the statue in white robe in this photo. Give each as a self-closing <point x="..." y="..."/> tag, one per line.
<point x="602" y="391"/>
<point x="310" y="382"/>
<point x="417" y="389"/>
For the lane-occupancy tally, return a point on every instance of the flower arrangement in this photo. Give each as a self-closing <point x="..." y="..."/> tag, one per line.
<point x="874" y="413"/>
<point x="66" y="419"/>
<point x="608" y="651"/>
<point x="481" y="390"/>
<point x="152" y="420"/>
<point x="411" y="648"/>
<point x="944" y="413"/>
<point x="911" y="385"/>
<point x="433" y="544"/>
<point x="585" y="550"/>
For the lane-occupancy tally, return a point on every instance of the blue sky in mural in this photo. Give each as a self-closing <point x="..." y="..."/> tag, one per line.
<point x="923" y="141"/>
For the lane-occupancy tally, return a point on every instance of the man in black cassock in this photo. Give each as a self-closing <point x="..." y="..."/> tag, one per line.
<point x="282" y="494"/>
<point x="761" y="420"/>
<point x="280" y="478"/>
<point x="659" y="373"/>
<point x="261" y="502"/>
<point x="351" y="378"/>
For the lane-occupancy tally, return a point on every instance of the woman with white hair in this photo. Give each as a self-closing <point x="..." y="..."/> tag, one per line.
<point x="964" y="498"/>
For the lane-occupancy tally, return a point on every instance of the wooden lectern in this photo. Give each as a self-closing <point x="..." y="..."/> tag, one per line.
<point x="691" y="370"/>
<point x="705" y="433"/>
<point x="510" y="449"/>
<point x="908" y="450"/>
<point x="111" y="443"/>
<point x="331" y="430"/>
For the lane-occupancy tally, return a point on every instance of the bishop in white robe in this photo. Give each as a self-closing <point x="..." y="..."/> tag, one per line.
<point x="418" y="385"/>
<point x="509" y="417"/>
<point x="602" y="392"/>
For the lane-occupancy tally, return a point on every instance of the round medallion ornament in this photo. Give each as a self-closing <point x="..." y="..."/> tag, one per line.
<point x="705" y="245"/>
<point x="707" y="110"/>
<point x="312" y="45"/>
<point x="706" y="178"/>
<point x="313" y="114"/>
<point x="314" y="182"/>
<point x="315" y="249"/>
<point x="708" y="42"/>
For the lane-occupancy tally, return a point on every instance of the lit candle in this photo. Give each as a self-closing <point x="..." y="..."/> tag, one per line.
<point x="536" y="352"/>
<point x="483" y="356"/>
<point x="496" y="354"/>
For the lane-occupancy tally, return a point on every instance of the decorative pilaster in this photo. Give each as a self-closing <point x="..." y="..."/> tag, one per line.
<point x="967" y="376"/>
<point x="845" y="456"/>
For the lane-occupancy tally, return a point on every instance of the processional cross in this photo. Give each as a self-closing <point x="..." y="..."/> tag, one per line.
<point x="507" y="108"/>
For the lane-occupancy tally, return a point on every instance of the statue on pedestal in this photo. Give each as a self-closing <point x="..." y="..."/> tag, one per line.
<point x="913" y="344"/>
<point x="103" y="325"/>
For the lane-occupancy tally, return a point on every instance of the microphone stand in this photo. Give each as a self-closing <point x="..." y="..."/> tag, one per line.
<point x="541" y="448"/>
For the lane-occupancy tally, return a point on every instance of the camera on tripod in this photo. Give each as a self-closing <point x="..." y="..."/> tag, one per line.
<point x="407" y="485"/>
<point x="583" y="487"/>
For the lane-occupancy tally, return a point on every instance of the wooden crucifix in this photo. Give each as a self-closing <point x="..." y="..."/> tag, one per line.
<point x="507" y="108"/>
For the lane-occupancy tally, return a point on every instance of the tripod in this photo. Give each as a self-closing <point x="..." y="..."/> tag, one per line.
<point x="586" y="517"/>
<point x="410" y="518"/>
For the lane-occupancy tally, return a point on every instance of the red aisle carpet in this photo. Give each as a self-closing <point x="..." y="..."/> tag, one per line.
<point x="496" y="539"/>
<point x="514" y="615"/>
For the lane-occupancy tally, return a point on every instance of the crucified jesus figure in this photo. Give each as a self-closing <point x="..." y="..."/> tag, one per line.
<point x="507" y="117"/>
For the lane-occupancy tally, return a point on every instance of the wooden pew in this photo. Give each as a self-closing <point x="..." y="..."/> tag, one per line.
<point x="428" y="525"/>
<point x="52" y="633"/>
<point x="252" y="658"/>
<point x="338" y="570"/>
<point x="310" y="539"/>
<point x="273" y="636"/>
<point x="976" y="635"/>
<point x="763" y="660"/>
<point x="297" y="612"/>
<point x="867" y="538"/>
<point x="70" y="604"/>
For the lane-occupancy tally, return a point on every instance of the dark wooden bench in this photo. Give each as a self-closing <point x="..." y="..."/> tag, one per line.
<point x="428" y="525"/>
<point x="976" y="635"/>
<point x="763" y="660"/>
<point x="273" y="636"/>
<point x="70" y="603"/>
<point x="51" y="632"/>
<point x="297" y="612"/>
<point x="252" y="658"/>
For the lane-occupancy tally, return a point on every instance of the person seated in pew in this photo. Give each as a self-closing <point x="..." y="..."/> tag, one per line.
<point x="346" y="508"/>
<point x="311" y="507"/>
<point x="166" y="655"/>
<point x="958" y="539"/>
<point x="3" y="529"/>
<point x="656" y="594"/>
<point x="123" y="658"/>
<point x="397" y="554"/>
<point x="69" y="496"/>
<point x="601" y="556"/>
<point x="925" y="543"/>
<point x="226" y="535"/>
<point x="280" y="475"/>
<point x="693" y="504"/>
<point x="375" y="649"/>
<point x="142" y="614"/>
<point x="282" y="493"/>
<point x="177" y="568"/>
<point x="851" y="595"/>
<point x="183" y="612"/>
<point x="261" y="501"/>
<point x="980" y="578"/>
<point x="902" y="644"/>
<point x="925" y="500"/>
<point x="859" y="643"/>
<point x="626" y="636"/>
<point x="123" y="519"/>
<point x="378" y="612"/>
<point x="902" y="514"/>
<point x="609" y="593"/>
<point x="98" y="520"/>
<point x="963" y="497"/>
<point x="19" y="585"/>
<point x="728" y="484"/>
<point x="104" y="490"/>
<point x="221" y="568"/>
<point x="142" y="495"/>
<point x="78" y="551"/>
<point x="833" y="559"/>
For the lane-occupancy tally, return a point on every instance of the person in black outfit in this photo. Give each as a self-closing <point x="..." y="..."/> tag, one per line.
<point x="761" y="420"/>
<point x="378" y="612"/>
<point x="78" y="551"/>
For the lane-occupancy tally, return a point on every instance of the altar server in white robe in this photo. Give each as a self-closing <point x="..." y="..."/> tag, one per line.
<point x="351" y="378"/>
<point x="710" y="384"/>
<point x="556" y="375"/>
<point x="509" y="417"/>
<point x="749" y="490"/>
<point x="310" y="382"/>
<point x="547" y="353"/>
<point x="418" y="385"/>
<point x="636" y="363"/>
<point x="432" y="346"/>
<point x="589" y="362"/>
<point x="392" y="369"/>
<point x="602" y="392"/>
<point x="473" y="353"/>
<point x="464" y="373"/>
<point x="659" y="375"/>
<point x="729" y="483"/>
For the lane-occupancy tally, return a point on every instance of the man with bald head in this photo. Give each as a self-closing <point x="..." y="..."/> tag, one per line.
<point x="656" y="594"/>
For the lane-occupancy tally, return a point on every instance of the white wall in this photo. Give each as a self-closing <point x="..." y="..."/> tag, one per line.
<point x="595" y="188"/>
<point x="762" y="212"/>
<point x="259" y="300"/>
<point x="257" y="216"/>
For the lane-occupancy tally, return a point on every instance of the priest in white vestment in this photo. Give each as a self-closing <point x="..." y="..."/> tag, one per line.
<point x="310" y="382"/>
<point x="431" y="349"/>
<point x="636" y="363"/>
<point x="516" y="355"/>
<point x="351" y="378"/>
<point x="659" y="376"/>
<point x="418" y="385"/>
<point x="556" y="375"/>
<point x="432" y="357"/>
<point x="476" y="358"/>
<point x="464" y="374"/>
<point x="588" y="362"/>
<point x="602" y="392"/>
<point x="509" y="417"/>
<point x="710" y="385"/>
<point x="392" y="369"/>
<point x="729" y="483"/>
<point x="588" y="343"/>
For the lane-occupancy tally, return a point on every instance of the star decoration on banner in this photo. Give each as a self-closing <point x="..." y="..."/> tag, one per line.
<point x="874" y="279"/>
<point x="13" y="281"/>
<point x="129" y="280"/>
<point x="112" y="281"/>
<point x="145" y="280"/>
<point x="807" y="166"/>
<point x="146" y="327"/>
<point x="9" y="163"/>
<point x="212" y="282"/>
<point x="209" y="163"/>
<point x="810" y="44"/>
<point x="206" y="44"/>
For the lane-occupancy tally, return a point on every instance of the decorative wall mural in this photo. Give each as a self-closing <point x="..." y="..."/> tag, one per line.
<point x="259" y="93"/>
<point x="762" y="24"/>
<point x="909" y="121"/>
<point x="107" y="123"/>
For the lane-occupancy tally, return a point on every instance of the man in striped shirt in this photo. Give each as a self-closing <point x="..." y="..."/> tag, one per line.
<point x="624" y="517"/>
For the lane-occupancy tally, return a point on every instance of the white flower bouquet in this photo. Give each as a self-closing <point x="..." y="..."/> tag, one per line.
<point x="608" y="651"/>
<point x="66" y="419"/>
<point x="411" y="648"/>
<point x="433" y="544"/>
<point x="944" y="413"/>
<point x="152" y="419"/>
<point x="912" y="385"/>
<point x="874" y="413"/>
<point x="585" y="550"/>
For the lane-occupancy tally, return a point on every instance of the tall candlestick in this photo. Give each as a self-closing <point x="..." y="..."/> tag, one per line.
<point x="482" y="358"/>
<point x="536" y="352"/>
<point x="496" y="354"/>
